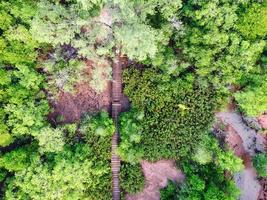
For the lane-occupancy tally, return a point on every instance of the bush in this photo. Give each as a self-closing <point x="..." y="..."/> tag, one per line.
<point x="253" y="22"/>
<point x="50" y="139"/>
<point x="97" y="131"/>
<point x="176" y="113"/>
<point x="5" y="139"/>
<point x="169" y="192"/>
<point x="252" y="100"/>
<point x="131" y="178"/>
<point x="18" y="159"/>
<point x="206" y="182"/>
<point x="130" y="135"/>
<point x="260" y="164"/>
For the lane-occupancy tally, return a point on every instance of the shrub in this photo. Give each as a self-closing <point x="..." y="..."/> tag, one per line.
<point x="18" y="159"/>
<point x="253" y="22"/>
<point x="130" y="135"/>
<point x="260" y="163"/>
<point x="50" y="139"/>
<point x="176" y="112"/>
<point x="5" y="139"/>
<point x="169" y="192"/>
<point x="131" y="178"/>
<point x="252" y="99"/>
<point x="97" y="131"/>
<point x="206" y="182"/>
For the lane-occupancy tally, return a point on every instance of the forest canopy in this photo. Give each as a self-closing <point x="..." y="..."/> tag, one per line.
<point x="183" y="62"/>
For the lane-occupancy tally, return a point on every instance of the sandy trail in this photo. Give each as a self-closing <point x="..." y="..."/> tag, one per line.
<point x="156" y="176"/>
<point x="246" y="143"/>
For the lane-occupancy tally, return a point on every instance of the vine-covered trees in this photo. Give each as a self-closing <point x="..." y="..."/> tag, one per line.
<point x="176" y="114"/>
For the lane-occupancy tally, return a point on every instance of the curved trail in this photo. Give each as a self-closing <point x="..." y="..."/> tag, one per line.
<point x="116" y="109"/>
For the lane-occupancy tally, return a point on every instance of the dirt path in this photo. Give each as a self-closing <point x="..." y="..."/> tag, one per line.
<point x="156" y="176"/>
<point x="246" y="143"/>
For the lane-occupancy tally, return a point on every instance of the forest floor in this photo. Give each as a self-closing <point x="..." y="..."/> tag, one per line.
<point x="245" y="142"/>
<point x="71" y="106"/>
<point x="156" y="177"/>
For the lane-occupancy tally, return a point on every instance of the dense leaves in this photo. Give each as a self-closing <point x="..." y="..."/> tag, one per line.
<point x="176" y="112"/>
<point x="131" y="178"/>
<point x="22" y="102"/>
<point x="260" y="163"/>
<point x="131" y="135"/>
<point x="80" y="171"/>
<point x="76" y="173"/>
<point x="253" y="23"/>
<point x="211" y="44"/>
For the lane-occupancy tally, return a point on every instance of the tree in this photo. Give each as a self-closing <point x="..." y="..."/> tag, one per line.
<point x="253" y="22"/>
<point x="252" y="99"/>
<point x="19" y="159"/>
<point x="131" y="135"/>
<point x="75" y="173"/>
<point x="210" y="43"/>
<point x="23" y="105"/>
<point x="51" y="140"/>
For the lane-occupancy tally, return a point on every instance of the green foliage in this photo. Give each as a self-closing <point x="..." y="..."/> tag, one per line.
<point x="51" y="140"/>
<point x="168" y="130"/>
<point x="130" y="135"/>
<point x="131" y="178"/>
<point x="169" y="192"/>
<point x="16" y="44"/>
<point x="252" y="100"/>
<point x="253" y="22"/>
<point x="23" y="107"/>
<point x="97" y="131"/>
<point x="209" y="151"/>
<point x="5" y="139"/>
<point x="100" y="125"/>
<point x="206" y="182"/>
<point x="138" y="41"/>
<point x="75" y="173"/>
<point x="260" y="163"/>
<point x="18" y="159"/>
<point x="3" y="175"/>
<point x="64" y="74"/>
<point x="210" y="43"/>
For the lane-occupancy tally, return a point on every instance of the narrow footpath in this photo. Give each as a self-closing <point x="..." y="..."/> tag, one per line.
<point x="116" y="109"/>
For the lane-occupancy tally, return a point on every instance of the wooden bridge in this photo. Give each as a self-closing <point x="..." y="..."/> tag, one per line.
<point x="116" y="109"/>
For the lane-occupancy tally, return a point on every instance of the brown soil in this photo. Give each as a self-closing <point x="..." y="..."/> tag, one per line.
<point x="235" y="133"/>
<point x="236" y="144"/>
<point x="263" y="191"/>
<point x="156" y="176"/>
<point x="69" y="108"/>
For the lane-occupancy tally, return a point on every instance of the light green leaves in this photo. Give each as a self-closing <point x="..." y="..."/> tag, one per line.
<point x="137" y="41"/>
<point x="253" y="22"/>
<point x="50" y="139"/>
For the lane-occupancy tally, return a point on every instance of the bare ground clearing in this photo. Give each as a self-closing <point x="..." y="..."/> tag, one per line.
<point x="156" y="176"/>
<point x="245" y="142"/>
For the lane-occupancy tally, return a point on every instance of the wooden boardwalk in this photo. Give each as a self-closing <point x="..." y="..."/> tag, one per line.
<point x="116" y="109"/>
